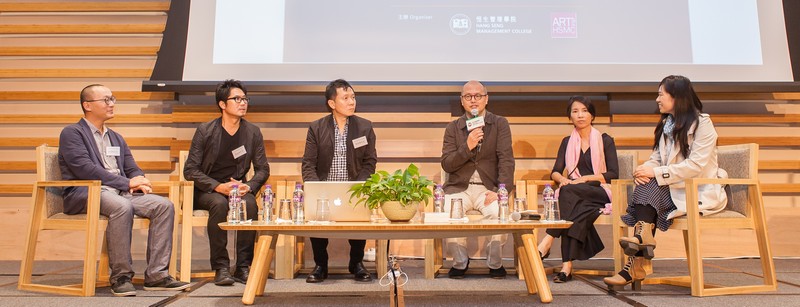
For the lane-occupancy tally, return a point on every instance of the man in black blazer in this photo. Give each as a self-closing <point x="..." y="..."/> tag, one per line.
<point x="339" y="147"/>
<point x="220" y="156"/>
<point x="88" y="150"/>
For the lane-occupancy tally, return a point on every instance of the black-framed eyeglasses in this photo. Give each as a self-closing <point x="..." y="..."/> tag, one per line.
<point x="473" y="97"/>
<point x="238" y="99"/>
<point x="107" y="100"/>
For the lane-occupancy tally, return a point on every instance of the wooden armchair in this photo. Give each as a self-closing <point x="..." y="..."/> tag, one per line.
<point x="745" y="210"/>
<point x="47" y="213"/>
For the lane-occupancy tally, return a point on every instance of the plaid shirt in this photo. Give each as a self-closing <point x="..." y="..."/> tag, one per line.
<point x="338" y="170"/>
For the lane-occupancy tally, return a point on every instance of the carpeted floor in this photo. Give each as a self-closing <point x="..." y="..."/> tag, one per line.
<point x="474" y="290"/>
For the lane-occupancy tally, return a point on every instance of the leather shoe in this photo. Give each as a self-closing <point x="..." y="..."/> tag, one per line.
<point x="317" y="275"/>
<point x="458" y="273"/>
<point x="241" y="274"/>
<point x="562" y="277"/>
<point x="498" y="273"/>
<point x="222" y="277"/>
<point x="360" y="273"/>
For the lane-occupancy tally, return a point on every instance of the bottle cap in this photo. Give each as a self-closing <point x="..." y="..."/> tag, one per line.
<point x="502" y="185"/>
<point x="269" y="186"/>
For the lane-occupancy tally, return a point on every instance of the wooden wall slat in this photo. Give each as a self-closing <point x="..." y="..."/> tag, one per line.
<point x="30" y="166"/>
<point x="32" y="142"/>
<point x="86" y="6"/>
<point x="72" y="118"/>
<point x="75" y="96"/>
<point x="75" y="73"/>
<point x="790" y="165"/>
<point x="81" y="28"/>
<point x="716" y="118"/>
<point x="79" y="51"/>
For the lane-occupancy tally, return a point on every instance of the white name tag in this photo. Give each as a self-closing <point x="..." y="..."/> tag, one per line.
<point x="112" y="151"/>
<point x="360" y="142"/>
<point x="238" y="152"/>
<point x="475" y="122"/>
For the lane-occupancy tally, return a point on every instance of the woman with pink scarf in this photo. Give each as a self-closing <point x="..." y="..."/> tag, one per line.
<point x="585" y="165"/>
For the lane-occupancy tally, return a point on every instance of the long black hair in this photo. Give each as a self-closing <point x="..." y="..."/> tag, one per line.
<point x="687" y="108"/>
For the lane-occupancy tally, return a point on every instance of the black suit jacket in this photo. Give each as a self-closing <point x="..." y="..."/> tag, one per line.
<point x="318" y="155"/>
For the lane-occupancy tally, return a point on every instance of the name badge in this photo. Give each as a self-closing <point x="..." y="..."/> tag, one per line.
<point x="475" y="122"/>
<point x="238" y="152"/>
<point x="360" y="142"/>
<point x="112" y="151"/>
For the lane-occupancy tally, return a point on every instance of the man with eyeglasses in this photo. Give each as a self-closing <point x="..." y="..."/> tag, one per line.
<point x="88" y="150"/>
<point x="339" y="147"/>
<point x="478" y="157"/>
<point x="220" y="156"/>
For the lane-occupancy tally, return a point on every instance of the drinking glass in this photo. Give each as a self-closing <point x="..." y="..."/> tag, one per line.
<point x="552" y="212"/>
<point x="456" y="209"/>
<point x="323" y="210"/>
<point x="520" y="204"/>
<point x="285" y="210"/>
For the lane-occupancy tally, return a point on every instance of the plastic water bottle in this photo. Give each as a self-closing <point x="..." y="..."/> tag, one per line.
<point x="438" y="199"/>
<point x="233" y="205"/>
<point x="269" y="202"/>
<point x="297" y="200"/>
<point x="548" y="193"/>
<point x="502" y="201"/>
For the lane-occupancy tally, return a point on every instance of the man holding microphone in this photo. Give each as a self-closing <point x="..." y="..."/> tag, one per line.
<point x="477" y="156"/>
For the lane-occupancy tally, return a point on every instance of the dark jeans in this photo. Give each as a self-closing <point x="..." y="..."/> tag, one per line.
<point x="217" y="206"/>
<point x="320" y="248"/>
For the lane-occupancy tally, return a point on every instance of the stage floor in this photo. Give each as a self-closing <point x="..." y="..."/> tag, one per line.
<point x="474" y="290"/>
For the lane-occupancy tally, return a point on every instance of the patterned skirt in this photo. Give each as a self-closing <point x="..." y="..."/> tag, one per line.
<point x="654" y="195"/>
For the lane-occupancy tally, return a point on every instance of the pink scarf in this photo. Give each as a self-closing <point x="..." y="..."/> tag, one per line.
<point x="573" y="155"/>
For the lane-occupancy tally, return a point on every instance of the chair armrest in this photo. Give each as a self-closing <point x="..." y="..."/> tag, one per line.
<point x="68" y="183"/>
<point x="730" y="181"/>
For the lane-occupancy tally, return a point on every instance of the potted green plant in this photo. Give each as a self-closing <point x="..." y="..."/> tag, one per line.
<point x="398" y="194"/>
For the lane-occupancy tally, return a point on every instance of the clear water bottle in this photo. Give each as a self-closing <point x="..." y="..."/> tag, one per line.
<point x="548" y="193"/>
<point x="438" y="199"/>
<point x="233" y="205"/>
<point x="502" y="202"/>
<point x="269" y="205"/>
<point x="298" y="202"/>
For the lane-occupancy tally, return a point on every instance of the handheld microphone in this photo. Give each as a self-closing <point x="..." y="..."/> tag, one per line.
<point x="477" y="125"/>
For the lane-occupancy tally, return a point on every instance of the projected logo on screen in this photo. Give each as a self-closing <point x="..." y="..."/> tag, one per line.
<point x="460" y="24"/>
<point x="564" y="25"/>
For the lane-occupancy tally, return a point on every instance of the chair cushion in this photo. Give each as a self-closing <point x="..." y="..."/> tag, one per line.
<point x="63" y="216"/>
<point x="199" y="213"/>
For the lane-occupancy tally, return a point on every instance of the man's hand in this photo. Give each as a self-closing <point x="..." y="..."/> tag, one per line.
<point x="474" y="137"/>
<point x="139" y="183"/>
<point x="490" y="197"/>
<point x="225" y="188"/>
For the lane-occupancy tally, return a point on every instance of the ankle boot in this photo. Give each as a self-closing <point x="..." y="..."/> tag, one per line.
<point x="642" y="240"/>
<point x="632" y="272"/>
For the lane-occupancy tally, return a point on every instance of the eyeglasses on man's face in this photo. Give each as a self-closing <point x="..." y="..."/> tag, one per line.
<point x="238" y="99"/>
<point x="473" y="97"/>
<point x="107" y="100"/>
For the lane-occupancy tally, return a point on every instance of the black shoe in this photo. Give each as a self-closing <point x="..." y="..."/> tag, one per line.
<point x="123" y="287"/>
<point x="168" y="283"/>
<point x="317" y="275"/>
<point x="545" y="255"/>
<point x="241" y="274"/>
<point x="498" y="273"/>
<point x="458" y="273"/>
<point x="360" y="273"/>
<point x="222" y="277"/>
<point x="561" y="277"/>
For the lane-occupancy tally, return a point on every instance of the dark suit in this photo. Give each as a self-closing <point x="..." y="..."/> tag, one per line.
<point x="494" y="162"/>
<point x="202" y="156"/>
<point x="317" y="161"/>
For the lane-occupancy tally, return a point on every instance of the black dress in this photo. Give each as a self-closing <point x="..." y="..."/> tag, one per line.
<point x="581" y="203"/>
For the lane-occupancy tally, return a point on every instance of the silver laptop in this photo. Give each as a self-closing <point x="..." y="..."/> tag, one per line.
<point x="336" y="192"/>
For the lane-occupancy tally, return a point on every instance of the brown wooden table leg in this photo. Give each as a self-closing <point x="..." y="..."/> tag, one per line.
<point x="524" y="263"/>
<point x="270" y="254"/>
<point x="258" y="268"/>
<point x="539" y="275"/>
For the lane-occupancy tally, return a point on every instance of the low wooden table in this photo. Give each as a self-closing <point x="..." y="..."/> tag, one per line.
<point x="523" y="233"/>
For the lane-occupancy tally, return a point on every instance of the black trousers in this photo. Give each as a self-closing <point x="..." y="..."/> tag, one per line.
<point x="217" y="206"/>
<point x="320" y="248"/>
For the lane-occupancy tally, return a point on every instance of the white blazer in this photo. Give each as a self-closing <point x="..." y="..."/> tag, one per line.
<point x="702" y="163"/>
